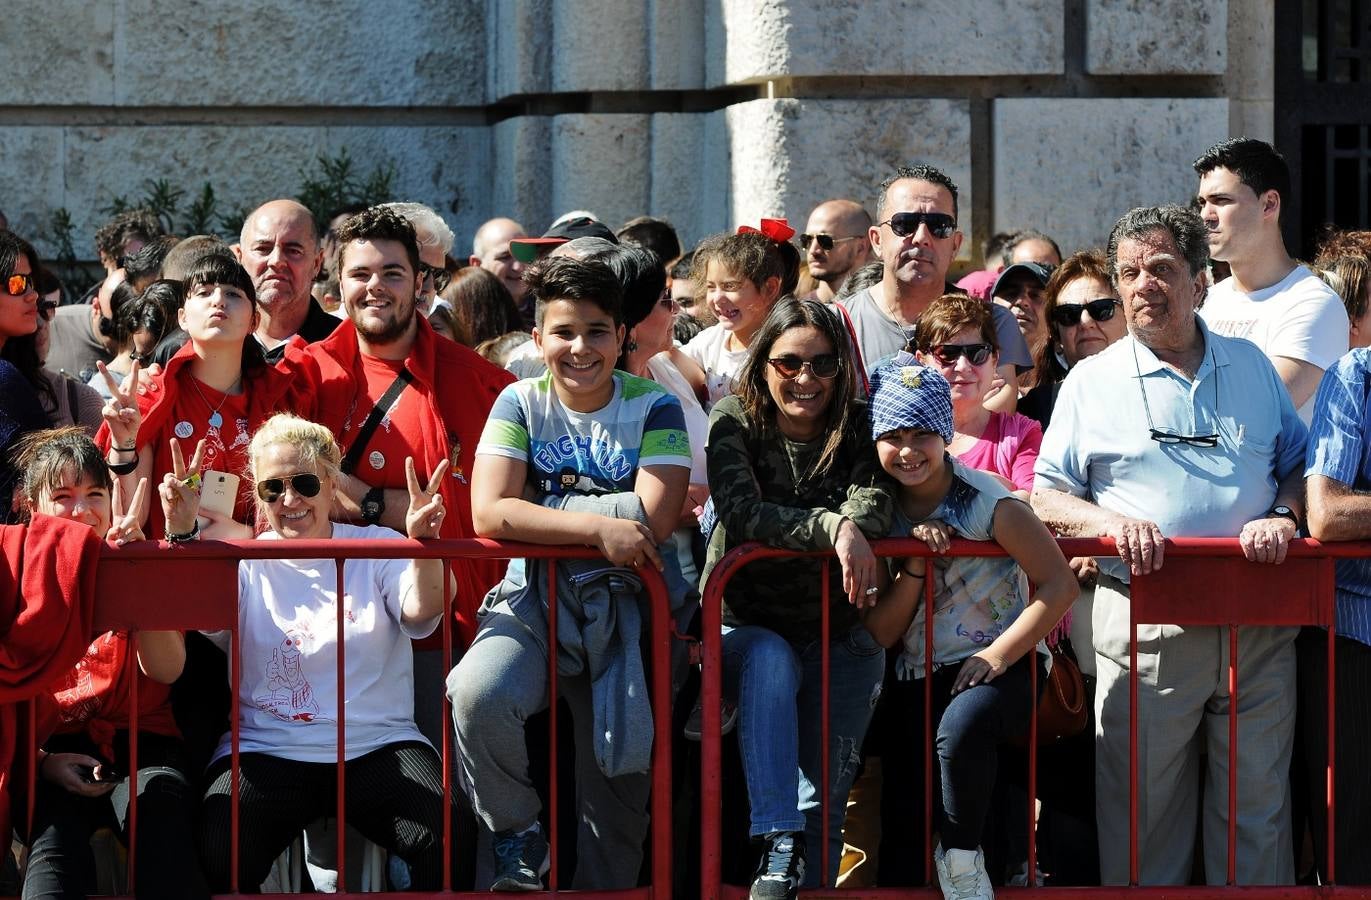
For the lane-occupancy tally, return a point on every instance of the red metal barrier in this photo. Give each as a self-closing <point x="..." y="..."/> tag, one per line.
<point x="1237" y="593"/>
<point x="194" y="586"/>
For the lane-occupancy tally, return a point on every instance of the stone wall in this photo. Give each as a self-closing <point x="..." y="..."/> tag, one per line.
<point x="1058" y="114"/>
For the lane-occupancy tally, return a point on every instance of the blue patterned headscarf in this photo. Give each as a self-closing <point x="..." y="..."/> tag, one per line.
<point x="905" y="394"/>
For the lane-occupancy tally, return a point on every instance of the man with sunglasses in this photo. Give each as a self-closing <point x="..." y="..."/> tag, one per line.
<point x="1174" y="431"/>
<point x="916" y="239"/>
<point x="835" y="245"/>
<point x="1270" y="299"/>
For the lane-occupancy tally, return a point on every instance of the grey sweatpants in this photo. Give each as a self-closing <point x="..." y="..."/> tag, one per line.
<point x="500" y="682"/>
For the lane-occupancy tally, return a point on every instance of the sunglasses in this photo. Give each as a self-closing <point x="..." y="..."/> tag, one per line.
<point x="825" y="365"/>
<point x="440" y="277"/>
<point x="947" y="354"/>
<point x="1069" y="314"/>
<point x="18" y="285"/>
<point x="940" y="225"/>
<point x="825" y="241"/>
<point x="46" y="309"/>
<point x="306" y="484"/>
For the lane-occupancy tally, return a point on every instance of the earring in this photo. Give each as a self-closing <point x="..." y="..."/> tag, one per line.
<point x="630" y="346"/>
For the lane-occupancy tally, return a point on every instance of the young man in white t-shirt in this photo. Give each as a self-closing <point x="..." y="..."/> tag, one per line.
<point x="1270" y="299"/>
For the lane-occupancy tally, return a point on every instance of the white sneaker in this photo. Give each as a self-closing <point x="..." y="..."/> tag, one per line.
<point x="961" y="874"/>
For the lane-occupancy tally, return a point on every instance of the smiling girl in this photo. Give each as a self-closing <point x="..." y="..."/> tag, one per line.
<point x="743" y="275"/>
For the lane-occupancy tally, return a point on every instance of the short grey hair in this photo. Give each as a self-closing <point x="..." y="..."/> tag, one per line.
<point x="429" y="228"/>
<point x="1183" y="224"/>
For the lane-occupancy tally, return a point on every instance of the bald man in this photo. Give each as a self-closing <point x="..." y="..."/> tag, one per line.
<point x="279" y="248"/>
<point x="835" y="244"/>
<point x="490" y="251"/>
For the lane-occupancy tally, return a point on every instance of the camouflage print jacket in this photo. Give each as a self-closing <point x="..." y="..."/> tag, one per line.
<point x="755" y="480"/>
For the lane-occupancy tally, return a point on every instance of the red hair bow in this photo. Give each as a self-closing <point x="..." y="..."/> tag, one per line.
<point x="776" y="229"/>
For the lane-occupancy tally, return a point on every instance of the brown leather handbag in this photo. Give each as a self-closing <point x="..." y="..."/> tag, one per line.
<point x="1062" y="711"/>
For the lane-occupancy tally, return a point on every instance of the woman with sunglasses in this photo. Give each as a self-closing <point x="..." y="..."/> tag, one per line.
<point x="956" y="336"/>
<point x="70" y="402"/>
<point x="791" y="465"/>
<point x="217" y="388"/>
<point x="1082" y="311"/>
<point x="288" y="701"/>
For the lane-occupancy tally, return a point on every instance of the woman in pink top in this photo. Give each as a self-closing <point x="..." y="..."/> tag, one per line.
<point x="957" y="337"/>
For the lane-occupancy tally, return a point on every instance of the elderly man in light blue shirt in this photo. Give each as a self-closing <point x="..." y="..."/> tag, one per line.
<point x="1175" y="431"/>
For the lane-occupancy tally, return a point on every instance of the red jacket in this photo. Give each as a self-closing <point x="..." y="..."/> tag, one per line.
<point x="47" y="602"/>
<point x="460" y="387"/>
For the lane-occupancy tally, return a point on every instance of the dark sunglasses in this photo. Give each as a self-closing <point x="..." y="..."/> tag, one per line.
<point x="46" y="309"/>
<point x="940" y="225"/>
<point x="17" y="285"/>
<point x="1101" y="310"/>
<point x="306" y="484"/>
<point x="825" y="365"/>
<point x="825" y="241"/>
<point x="975" y="354"/>
<point x="440" y="277"/>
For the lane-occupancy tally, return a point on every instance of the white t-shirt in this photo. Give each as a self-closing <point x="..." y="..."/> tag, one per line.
<point x="665" y="373"/>
<point x="288" y="697"/>
<point x="1299" y="317"/>
<point x="709" y="348"/>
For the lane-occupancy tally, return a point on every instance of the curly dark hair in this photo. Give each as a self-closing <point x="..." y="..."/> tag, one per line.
<point x="376" y="223"/>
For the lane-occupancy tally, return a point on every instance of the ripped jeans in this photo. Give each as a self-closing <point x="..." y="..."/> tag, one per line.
<point x="778" y="686"/>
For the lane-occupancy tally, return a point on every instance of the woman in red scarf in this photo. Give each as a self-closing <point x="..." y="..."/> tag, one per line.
<point x="218" y="389"/>
<point x="80" y="788"/>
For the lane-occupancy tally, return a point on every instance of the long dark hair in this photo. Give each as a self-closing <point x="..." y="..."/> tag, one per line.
<point x="483" y="303"/>
<point x="22" y="351"/>
<point x="756" y="396"/>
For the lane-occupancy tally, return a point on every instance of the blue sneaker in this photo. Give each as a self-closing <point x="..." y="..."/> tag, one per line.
<point x="782" y="869"/>
<point x="521" y="860"/>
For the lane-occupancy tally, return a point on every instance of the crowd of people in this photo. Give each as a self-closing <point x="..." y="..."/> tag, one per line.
<point x="603" y="388"/>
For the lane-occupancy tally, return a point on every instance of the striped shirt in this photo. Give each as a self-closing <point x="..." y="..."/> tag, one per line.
<point x="1340" y="448"/>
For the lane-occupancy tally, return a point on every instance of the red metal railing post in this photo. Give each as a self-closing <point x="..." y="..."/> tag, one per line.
<point x="1327" y="594"/>
<point x="660" y="603"/>
<point x="1132" y="739"/>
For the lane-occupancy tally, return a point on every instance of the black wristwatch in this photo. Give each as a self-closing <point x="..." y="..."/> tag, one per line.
<point x="1284" y="512"/>
<point x="373" y="505"/>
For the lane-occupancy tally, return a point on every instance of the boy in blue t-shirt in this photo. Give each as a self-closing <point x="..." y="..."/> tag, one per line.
<point x="582" y="429"/>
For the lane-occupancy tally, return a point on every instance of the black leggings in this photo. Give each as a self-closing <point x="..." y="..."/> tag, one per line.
<point x="60" y="860"/>
<point x="394" y="798"/>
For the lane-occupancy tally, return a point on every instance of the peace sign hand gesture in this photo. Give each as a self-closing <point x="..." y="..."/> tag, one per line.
<point x="180" y="489"/>
<point x="124" y="521"/>
<point x="121" y="411"/>
<point x="424" y="518"/>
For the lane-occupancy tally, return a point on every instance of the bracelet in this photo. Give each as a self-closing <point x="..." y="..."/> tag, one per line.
<point x="188" y="536"/>
<point x="905" y="569"/>
<point x="123" y="468"/>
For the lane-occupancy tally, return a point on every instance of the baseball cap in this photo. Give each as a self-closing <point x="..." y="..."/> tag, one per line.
<point x="527" y="249"/>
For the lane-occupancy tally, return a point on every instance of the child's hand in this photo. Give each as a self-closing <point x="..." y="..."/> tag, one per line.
<point x="935" y="533"/>
<point x="124" y="523"/>
<point x="627" y="543"/>
<point x="859" y="565"/>
<point x="66" y="770"/>
<point x="979" y="669"/>
<point x="121" y="412"/>
<point x="180" y="490"/>
<point x="1086" y="568"/>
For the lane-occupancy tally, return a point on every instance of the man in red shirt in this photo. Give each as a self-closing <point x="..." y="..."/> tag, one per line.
<point x="389" y="388"/>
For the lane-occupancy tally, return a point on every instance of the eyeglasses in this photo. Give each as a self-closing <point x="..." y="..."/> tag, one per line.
<point x="1068" y="314"/>
<point x="825" y="365"/>
<point x="440" y="277"/>
<point x="825" y="241"/>
<point x="1167" y="436"/>
<point x="947" y="354"/>
<point x="18" y="285"/>
<point x="940" y="225"/>
<point x="46" y="309"/>
<point x="306" y="484"/>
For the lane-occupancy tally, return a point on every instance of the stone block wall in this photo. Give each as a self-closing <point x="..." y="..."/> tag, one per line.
<point x="1058" y="114"/>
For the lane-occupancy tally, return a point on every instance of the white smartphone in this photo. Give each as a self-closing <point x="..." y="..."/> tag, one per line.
<point x="218" y="492"/>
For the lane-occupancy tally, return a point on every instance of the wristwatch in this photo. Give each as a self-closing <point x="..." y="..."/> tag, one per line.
<point x="373" y="505"/>
<point x="1284" y="512"/>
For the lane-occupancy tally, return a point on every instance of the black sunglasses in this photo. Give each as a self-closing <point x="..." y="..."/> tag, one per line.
<point x="975" y="354"/>
<point x="440" y="277"/>
<point x="306" y="484"/>
<point x="46" y="309"/>
<point x="825" y="365"/>
<point x="825" y="241"/>
<point x="1166" y="435"/>
<point x="1069" y="314"/>
<point x="18" y="285"/>
<point x="940" y="225"/>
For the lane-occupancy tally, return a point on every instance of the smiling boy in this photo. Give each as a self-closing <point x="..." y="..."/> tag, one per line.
<point x="581" y="430"/>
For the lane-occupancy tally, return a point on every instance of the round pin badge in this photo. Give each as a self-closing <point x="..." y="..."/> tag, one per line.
<point x="377" y="459"/>
<point x="184" y="430"/>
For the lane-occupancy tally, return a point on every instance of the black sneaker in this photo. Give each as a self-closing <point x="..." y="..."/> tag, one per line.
<point x="695" y="724"/>
<point x="521" y="860"/>
<point x="782" y="869"/>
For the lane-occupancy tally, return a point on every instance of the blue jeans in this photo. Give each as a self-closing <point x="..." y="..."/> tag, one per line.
<point x="779" y="687"/>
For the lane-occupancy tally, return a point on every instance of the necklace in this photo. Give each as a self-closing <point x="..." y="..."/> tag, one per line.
<point x="215" y="420"/>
